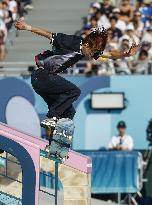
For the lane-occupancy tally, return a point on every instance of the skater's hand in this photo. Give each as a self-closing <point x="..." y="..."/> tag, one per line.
<point x="21" y="25"/>
<point x="133" y="49"/>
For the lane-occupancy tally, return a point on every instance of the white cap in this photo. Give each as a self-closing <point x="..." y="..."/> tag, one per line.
<point x="125" y="37"/>
<point x="130" y="27"/>
<point x="116" y="10"/>
<point x="96" y="5"/>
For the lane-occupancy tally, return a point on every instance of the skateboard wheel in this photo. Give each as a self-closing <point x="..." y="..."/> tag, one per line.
<point x="69" y="137"/>
<point x="63" y="160"/>
<point x="54" y="132"/>
<point x="47" y="149"/>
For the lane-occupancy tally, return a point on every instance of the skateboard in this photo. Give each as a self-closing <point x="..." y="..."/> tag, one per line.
<point x="61" y="141"/>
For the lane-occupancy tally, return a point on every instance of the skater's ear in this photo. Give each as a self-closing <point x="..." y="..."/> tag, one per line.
<point x="86" y="45"/>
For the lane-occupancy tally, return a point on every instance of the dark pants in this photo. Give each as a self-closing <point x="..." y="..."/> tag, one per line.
<point x="57" y="92"/>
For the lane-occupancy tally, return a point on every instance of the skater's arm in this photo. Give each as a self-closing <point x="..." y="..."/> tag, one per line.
<point x="117" y="54"/>
<point x="41" y="32"/>
<point x="21" y="25"/>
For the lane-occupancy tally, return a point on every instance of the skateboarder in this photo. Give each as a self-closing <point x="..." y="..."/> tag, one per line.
<point x="57" y="92"/>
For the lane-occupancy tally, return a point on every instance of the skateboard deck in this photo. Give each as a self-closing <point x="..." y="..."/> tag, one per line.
<point x="62" y="140"/>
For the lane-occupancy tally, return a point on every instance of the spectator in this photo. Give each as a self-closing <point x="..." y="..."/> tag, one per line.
<point x="146" y="46"/>
<point x="147" y="35"/>
<point x="138" y="24"/>
<point x="85" y="31"/>
<point x="122" y="67"/>
<point x="130" y="35"/>
<point x="20" y="9"/>
<point x="1" y="11"/>
<point x="2" y="46"/>
<point x="3" y="28"/>
<point x="126" y="11"/>
<point x="120" y="23"/>
<point x="106" y="67"/>
<point x="106" y="8"/>
<point x="99" y="68"/>
<point x="111" y="40"/>
<point x="94" y="7"/>
<point x="124" y="27"/>
<point x="8" y="19"/>
<point x="125" y="44"/>
<point x="102" y="20"/>
<point x="122" y="141"/>
<point x="116" y="32"/>
<point x="149" y="22"/>
<point x="10" y="10"/>
<point x="13" y="8"/>
<point x="91" y="68"/>
<point x="93" y="22"/>
<point x="141" y="66"/>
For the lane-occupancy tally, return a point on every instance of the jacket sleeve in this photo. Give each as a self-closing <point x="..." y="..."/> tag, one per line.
<point x="64" y="41"/>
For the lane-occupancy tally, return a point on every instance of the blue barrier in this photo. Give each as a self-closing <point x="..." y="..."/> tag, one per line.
<point x="114" y="171"/>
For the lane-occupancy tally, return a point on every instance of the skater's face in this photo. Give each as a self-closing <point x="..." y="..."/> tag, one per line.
<point x="88" y="51"/>
<point x="121" y="131"/>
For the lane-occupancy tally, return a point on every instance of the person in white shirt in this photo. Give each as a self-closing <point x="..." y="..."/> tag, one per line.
<point x="13" y="8"/>
<point x="120" y="23"/>
<point x="122" y="141"/>
<point x="103" y="21"/>
<point x="130" y="34"/>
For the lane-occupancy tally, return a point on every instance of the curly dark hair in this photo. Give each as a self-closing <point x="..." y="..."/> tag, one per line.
<point x="97" y="39"/>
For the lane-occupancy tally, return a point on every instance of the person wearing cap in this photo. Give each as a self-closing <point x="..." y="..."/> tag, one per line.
<point x="122" y="141"/>
<point x="129" y="33"/>
<point x="94" y="7"/>
<point x="120" y="24"/>
<point x="147" y="35"/>
<point x="102" y="20"/>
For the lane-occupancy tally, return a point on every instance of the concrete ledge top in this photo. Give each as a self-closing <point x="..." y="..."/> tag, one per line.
<point x="24" y="136"/>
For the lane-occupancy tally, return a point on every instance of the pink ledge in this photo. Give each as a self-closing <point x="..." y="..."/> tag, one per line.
<point x="75" y="160"/>
<point x="79" y="162"/>
<point x="24" y="136"/>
